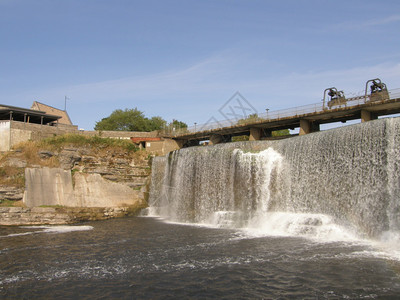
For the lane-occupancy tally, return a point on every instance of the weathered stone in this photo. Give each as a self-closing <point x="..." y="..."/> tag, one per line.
<point x="111" y="177"/>
<point x="88" y="159"/>
<point x="15" y="162"/>
<point x="109" y="181"/>
<point x="93" y="190"/>
<point x="102" y="170"/>
<point x="68" y="158"/>
<point x="59" y="216"/>
<point x="121" y="161"/>
<point x="47" y="186"/>
<point x="11" y="193"/>
<point x="45" y="154"/>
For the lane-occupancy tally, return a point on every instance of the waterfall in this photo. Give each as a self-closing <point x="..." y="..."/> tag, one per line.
<point x="347" y="176"/>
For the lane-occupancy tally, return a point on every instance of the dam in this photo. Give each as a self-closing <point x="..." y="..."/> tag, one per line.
<point x="347" y="177"/>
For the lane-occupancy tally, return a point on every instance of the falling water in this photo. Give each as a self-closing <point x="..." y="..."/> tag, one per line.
<point x="338" y="182"/>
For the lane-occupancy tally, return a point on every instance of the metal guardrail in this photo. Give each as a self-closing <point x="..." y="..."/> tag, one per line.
<point x="273" y="115"/>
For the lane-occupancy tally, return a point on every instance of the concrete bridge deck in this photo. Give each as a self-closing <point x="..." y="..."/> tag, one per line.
<point x="308" y="118"/>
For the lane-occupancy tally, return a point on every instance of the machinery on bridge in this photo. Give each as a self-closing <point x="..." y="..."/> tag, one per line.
<point x="336" y="98"/>
<point x="378" y="89"/>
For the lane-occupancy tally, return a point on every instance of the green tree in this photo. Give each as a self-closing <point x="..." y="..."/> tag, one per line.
<point x="177" y="124"/>
<point x="282" y="132"/>
<point x="129" y="120"/>
<point x="249" y="119"/>
<point x="240" y="138"/>
<point x="157" y="123"/>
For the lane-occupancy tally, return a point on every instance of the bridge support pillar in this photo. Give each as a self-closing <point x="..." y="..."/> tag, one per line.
<point x="367" y="116"/>
<point x="216" y="139"/>
<point x="307" y="126"/>
<point x="255" y="134"/>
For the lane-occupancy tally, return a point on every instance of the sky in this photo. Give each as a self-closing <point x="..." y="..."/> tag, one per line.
<point x="184" y="59"/>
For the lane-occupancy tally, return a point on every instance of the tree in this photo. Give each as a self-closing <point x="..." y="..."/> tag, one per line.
<point x="249" y="119"/>
<point x="129" y="120"/>
<point x="157" y="123"/>
<point x="177" y="124"/>
<point x="282" y="132"/>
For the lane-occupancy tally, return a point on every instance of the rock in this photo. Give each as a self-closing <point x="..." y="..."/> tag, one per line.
<point x="88" y="159"/>
<point x="57" y="216"/>
<point x="121" y="161"/>
<point x="102" y="170"/>
<point x="111" y="177"/>
<point x="15" y="162"/>
<point x="68" y="158"/>
<point x="45" y="154"/>
<point x="11" y="193"/>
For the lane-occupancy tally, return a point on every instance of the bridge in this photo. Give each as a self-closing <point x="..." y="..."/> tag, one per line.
<point x="308" y="118"/>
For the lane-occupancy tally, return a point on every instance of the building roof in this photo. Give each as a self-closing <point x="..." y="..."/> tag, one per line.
<point x="26" y="115"/>
<point x="64" y="118"/>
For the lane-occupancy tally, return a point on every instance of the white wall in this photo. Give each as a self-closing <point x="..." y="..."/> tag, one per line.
<point x="4" y="135"/>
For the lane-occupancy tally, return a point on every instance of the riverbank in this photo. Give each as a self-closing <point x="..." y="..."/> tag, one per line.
<point x="16" y="216"/>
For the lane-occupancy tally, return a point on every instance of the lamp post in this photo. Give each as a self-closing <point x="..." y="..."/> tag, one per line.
<point x="195" y="126"/>
<point x="267" y="109"/>
<point x="65" y="103"/>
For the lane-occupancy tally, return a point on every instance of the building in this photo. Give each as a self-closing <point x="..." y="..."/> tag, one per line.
<point x="42" y="121"/>
<point x="64" y="117"/>
<point x="19" y="124"/>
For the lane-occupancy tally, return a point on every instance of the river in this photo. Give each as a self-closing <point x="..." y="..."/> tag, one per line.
<point x="148" y="258"/>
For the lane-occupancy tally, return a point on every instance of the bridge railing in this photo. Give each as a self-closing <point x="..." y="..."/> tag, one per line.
<point x="273" y="115"/>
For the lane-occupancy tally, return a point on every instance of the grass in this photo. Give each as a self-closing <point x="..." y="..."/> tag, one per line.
<point x="11" y="176"/>
<point x="11" y="203"/>
<point x="28" y="151"/>
<point x="78" y="140"/>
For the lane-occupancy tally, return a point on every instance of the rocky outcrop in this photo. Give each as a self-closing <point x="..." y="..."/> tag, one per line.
<point x="89" y="184"/>
<point x="11" y="193"/>
<point x="59" y="215"/>
<point x="91" y="190"/>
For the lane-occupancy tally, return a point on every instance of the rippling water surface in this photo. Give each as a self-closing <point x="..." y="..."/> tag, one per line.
<point x="148" y="258"/>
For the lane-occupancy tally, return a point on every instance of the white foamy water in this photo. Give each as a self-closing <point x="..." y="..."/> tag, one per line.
<point x="50" y="229"/>
<point x="337" y="185"/>
<point x="313" y="226"/>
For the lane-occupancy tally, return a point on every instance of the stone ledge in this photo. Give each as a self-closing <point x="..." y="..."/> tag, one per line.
<point x="15" y="216"/>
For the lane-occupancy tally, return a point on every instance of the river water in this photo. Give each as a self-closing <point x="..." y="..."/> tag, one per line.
<point x="148" y="258"/>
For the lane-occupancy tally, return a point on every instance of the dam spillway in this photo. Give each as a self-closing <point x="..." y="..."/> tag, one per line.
<point x="346" y="177"/>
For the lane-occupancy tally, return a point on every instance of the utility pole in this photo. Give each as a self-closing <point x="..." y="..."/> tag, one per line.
<point x="65" y="102"/>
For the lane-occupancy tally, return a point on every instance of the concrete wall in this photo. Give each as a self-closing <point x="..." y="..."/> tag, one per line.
<point x="4" y="135"/>
<point x="54" y="186"/>
<point x="120" y="134"/>
<point x="22" y="132"/>
<point x="48" y="186"/>
<point x="171" y="145"/>
<point x="19" y="136"/>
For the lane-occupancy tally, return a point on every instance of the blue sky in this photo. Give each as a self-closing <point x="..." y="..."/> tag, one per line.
<point x="184" y="59"/>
